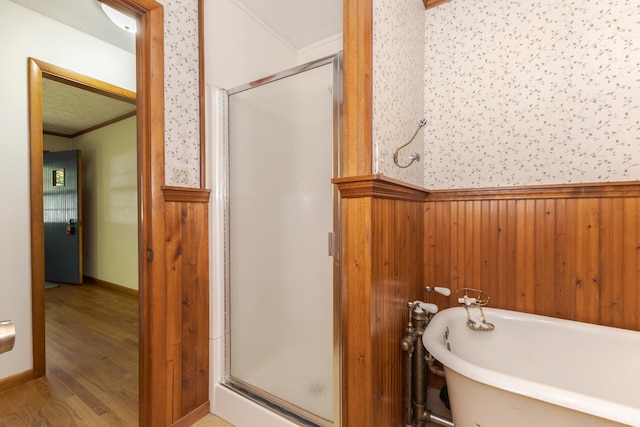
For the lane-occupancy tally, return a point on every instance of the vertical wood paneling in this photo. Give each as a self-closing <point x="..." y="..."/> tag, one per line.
<point x="605" y="261"/>
<point x="189" y="304"/>
<point x="397" y="278"/>
<point x="511" y="251"/>
<point x="468" y="242"/>
<point x="560" y="264"/>
<point x="384" y="241"/>
<point x="174" y="311"/>
<point x="358" y="97"/>
<point x="201" y="284"/>
<point x="356" y="308"/>
<point x="616" y="260"/>
<point x="629" y="282"/>
<point x="476" y="238"/>
<point x="562" y="255"/>
<point x="187" y="307"/>
<point x="455" y="245"/>
<point x="567" y="281"/>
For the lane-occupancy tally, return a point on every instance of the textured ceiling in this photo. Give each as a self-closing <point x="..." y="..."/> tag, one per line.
<point x="68" y="110"/>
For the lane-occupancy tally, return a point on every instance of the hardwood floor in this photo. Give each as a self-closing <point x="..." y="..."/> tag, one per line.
<point x="92" y="363"/>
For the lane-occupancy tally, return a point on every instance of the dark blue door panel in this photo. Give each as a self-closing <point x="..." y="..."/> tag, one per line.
<point x="62" y="234"/>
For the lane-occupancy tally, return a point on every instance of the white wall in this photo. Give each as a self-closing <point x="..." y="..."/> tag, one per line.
<point x="238" y="49"/>
<point x="521" y="93"/>
<point x="109" y="200"/>
<point x="51" y="42"/>
<point x="321" y="49"/>
<point x="110" y="203"/>
<point x="56" y="143"/>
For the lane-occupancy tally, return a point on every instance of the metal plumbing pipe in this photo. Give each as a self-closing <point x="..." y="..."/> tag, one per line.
<point x="437" y="419"/>
<point x="417" y="363"/>
<point x="431" y="364"/>
<point x="419" y="392"/>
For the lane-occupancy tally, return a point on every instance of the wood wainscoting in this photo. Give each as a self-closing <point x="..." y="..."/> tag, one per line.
<point x="568" y="251"/>
<point x="381" y="270"/>
<point x="187" y="304"/>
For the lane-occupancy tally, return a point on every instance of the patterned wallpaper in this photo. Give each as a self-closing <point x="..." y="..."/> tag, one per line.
<point x="537" y="92"/>
<point x="182" y="91"/>
<point x="398" y="86"/>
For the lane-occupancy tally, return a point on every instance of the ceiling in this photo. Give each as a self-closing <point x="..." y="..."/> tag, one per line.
<point x="68" y="111"/>
<point x="301" y="23"/>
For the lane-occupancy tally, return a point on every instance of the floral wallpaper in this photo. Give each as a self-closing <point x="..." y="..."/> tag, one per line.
<point x="182" y="90"/>
<point x="537" y="92"/>
<point x="398" y="86"/>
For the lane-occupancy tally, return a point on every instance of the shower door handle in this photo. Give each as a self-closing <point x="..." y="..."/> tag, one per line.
<point x="332" y="243"/>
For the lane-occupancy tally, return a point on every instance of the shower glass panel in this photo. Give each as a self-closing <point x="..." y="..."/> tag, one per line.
<point x="281" y="207"/>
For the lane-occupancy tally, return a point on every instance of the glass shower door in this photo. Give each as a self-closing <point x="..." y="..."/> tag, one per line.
<point x="280" y="279"/>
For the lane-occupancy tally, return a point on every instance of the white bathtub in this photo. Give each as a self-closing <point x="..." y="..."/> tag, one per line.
<point x="536" y="371"/>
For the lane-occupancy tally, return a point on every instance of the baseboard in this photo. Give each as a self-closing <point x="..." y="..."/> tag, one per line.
<point x="193" y="416"/>
<point x="119" y="288"/>
<point x="16" y="380"/>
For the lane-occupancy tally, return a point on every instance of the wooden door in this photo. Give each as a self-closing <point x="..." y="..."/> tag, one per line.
<point x="62" y="192"/>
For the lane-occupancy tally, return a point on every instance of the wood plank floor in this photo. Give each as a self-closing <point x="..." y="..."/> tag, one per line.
<point x="92" y="363"/>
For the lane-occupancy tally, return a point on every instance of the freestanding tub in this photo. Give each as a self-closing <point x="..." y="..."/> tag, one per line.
<point x="536" y="371"/>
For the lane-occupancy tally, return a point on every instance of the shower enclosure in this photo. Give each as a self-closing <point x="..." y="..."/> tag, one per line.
<point x="281" y="252"/>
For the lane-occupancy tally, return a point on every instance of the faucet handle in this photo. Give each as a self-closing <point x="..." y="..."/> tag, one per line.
<point x="439" y="289"/>
<point x="442" y="291"/>
<point x="428" y="307"/>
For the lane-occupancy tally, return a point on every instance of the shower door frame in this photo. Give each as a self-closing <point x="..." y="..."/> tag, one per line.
<point x="250" y="392"/>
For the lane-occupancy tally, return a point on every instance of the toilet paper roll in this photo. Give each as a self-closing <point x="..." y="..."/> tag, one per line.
<point x="7" y="335"/>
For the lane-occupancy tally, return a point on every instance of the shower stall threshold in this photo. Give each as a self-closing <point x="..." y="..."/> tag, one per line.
<point x="244" y="408"/>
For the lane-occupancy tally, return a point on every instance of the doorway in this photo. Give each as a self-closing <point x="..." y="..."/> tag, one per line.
<point x="97" y="119"/>
<point x="150" y="161"/>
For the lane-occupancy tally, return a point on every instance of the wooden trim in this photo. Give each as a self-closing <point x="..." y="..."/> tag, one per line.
<point x="356" y="313"/>
<point x="69" y="77"/>
<point x="203" y="120"/>
<point x="107" y="123"/>
<point x="428" y="4"/>
<point x="193" y="416"/>
<point x="186" y="195"/>
<point x="379" y="186"/>
<point x="554" y="191"/>
<point x="61" y="135"/>
<point x="16" y="380"/>
<point x="118" y="288"/>
<point x="150" y="66"/>
<point x="357" y="108"/>
<point x="37" y="218"/>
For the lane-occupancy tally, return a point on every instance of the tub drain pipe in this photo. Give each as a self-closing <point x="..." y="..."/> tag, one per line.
<point x="437" y="419"/>
<point x="417" y="363"/>
<point x="431" y="364"/>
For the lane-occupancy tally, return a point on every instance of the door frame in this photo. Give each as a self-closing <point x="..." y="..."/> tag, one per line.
<point x="151" y="219"/>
